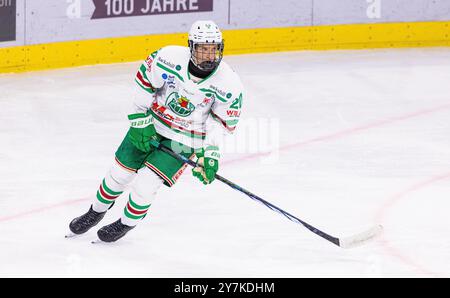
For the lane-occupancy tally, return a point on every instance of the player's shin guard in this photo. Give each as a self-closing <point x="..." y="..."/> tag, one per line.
<point x="141" y="197"/>
<point x="112" y="187"/>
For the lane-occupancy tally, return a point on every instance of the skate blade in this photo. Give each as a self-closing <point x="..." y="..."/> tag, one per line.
<point x="70" y="235"/>
<point x="98" y="241"/>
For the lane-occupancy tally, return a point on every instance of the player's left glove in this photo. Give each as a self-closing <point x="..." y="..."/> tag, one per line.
<point x="142" y="131"/>
<point x="208" y="159"/>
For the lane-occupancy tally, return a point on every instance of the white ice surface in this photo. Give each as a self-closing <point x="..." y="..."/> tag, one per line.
<point x="364" y="138"/>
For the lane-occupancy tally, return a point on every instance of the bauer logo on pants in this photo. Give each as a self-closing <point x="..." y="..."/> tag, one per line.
<point x="7" y="20"/>
<point x="129" y="8"/>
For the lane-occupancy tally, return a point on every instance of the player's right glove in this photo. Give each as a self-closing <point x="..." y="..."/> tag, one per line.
<point x="142" y="131"/>
<point x="208" y="161"/>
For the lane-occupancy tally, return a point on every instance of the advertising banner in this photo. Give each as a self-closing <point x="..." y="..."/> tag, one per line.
<point x="7" y="20"/>
<point x="49" y="21"/>
<point x="59" y="21"/>
<point x="127" y="8"/>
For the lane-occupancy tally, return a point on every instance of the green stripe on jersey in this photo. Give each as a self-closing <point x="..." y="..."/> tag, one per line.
<point x="215" y="93"/>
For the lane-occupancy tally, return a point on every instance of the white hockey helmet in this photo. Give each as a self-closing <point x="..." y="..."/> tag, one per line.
<point x="205" y="32"/>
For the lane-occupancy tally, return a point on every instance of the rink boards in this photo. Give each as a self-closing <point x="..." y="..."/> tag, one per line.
<point x="112" y="50"/>
<point x="36" y="35"/>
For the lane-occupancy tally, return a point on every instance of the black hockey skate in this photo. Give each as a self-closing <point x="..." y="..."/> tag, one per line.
<point x="113" y="232"/>
<point x="86" y="221"/>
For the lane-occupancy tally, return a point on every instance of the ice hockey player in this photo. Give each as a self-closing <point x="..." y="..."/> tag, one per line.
<point x="186" y="98"/>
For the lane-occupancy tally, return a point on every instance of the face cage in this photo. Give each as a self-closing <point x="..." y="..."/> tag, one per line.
<point x="207" y="65"/>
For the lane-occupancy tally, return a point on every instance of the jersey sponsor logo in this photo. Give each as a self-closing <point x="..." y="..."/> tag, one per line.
<point x="180" y="105"/>
<point x="170" y="80"/>
<point x="221" y="92"/>
<point x="150" y="59"/>
<point x="176" y="123"/>
<point x="161" y="111"/>
<point x="206" y="101"/>
<point x="179" y="173"/>
<point x="165" y="62"/>
<point x="233" y="113"/>
<point x="149" y="62"/>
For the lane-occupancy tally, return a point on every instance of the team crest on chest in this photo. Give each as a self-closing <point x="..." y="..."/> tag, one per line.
<point x="180" y="105"/>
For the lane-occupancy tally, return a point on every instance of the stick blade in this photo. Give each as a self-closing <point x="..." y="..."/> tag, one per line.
<point x="362" y="238"/>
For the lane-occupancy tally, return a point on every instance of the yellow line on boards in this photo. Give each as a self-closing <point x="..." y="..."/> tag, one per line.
<point x="242" y="41"/>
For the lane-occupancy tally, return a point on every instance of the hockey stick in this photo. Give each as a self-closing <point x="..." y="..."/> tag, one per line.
<point x="347" y="242"/>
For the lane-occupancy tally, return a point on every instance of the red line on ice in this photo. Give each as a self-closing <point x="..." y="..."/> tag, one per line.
<point x="319" y="139"/>
<point x="41" y="209"/>
<point x="389" y="203"/>
<point x="346" y="132"/>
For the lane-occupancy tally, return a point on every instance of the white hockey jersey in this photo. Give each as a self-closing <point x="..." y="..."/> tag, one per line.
<point x="194" y="114"/>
